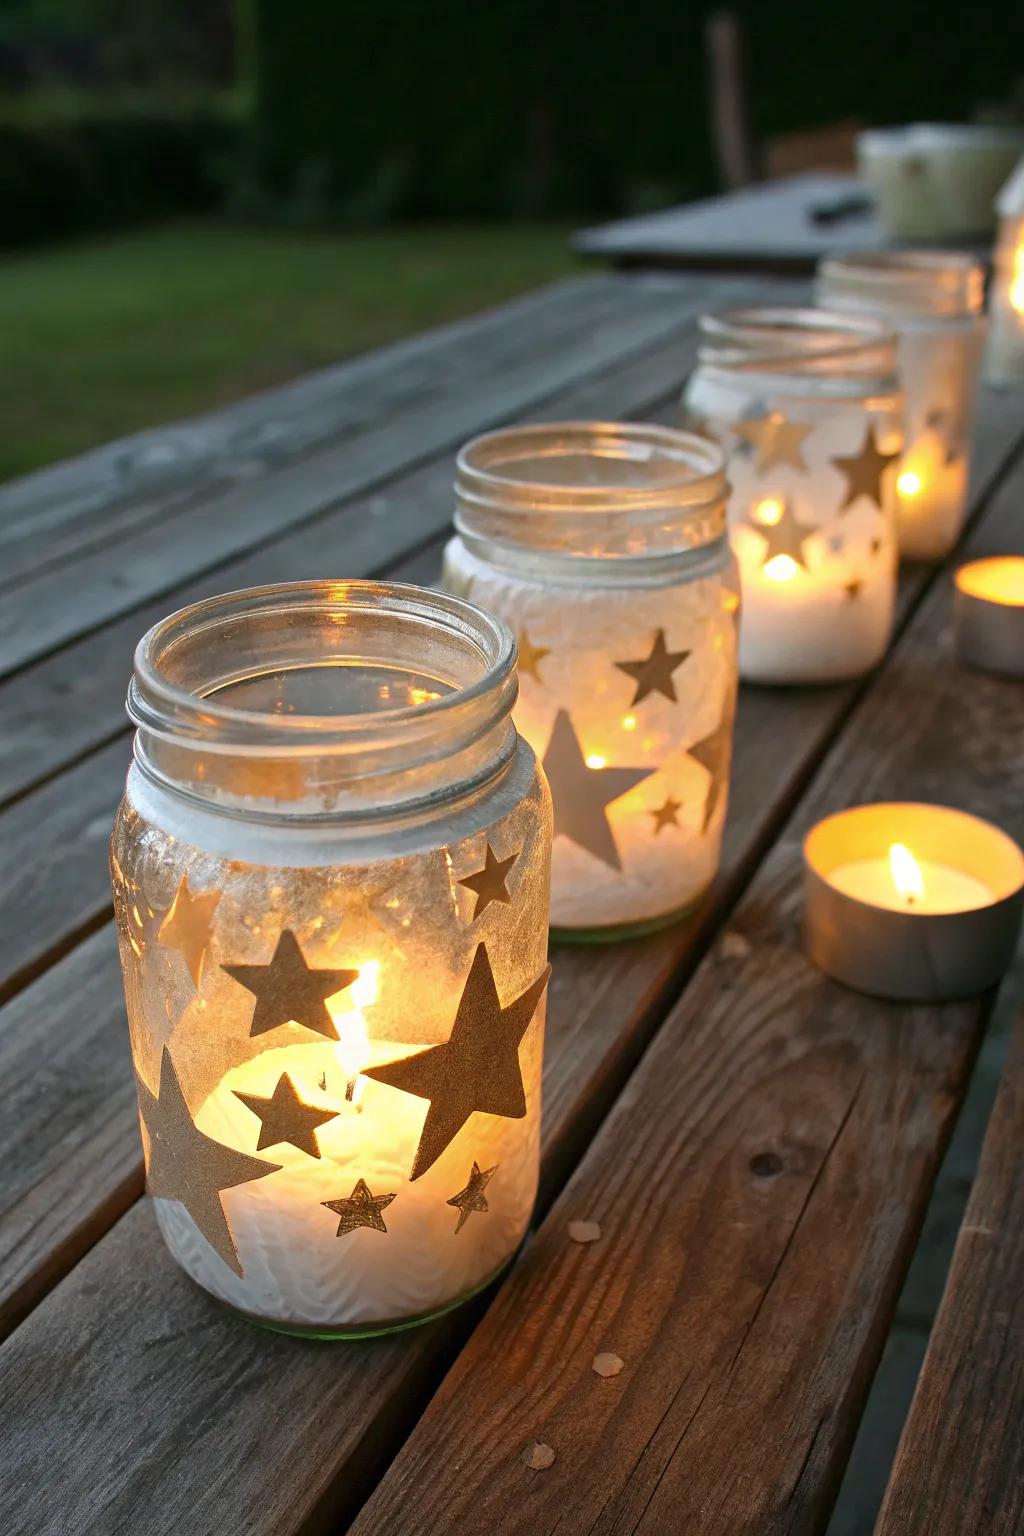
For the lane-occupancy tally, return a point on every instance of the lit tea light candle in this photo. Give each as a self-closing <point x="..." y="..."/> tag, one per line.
<point x="988" y="614"/>
<point x="912" y="901"/>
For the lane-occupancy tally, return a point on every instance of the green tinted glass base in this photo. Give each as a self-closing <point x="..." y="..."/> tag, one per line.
<point x="615" y="933"/>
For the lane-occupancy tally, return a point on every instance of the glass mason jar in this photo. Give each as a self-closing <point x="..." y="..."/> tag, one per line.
<point x="808" y="407"/>
<point x="330" y="874"/>
<point x="603" y="547"/>
<point x="933" y="301"/>
<point x="1004" y="357"/>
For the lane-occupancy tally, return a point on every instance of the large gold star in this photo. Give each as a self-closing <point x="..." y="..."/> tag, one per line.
<point x="472" y="1198"/>
<point x="189" y="924"/>
<point x="188" y="1166"/>
<point x="489" y="883"/>
<point x="580" y="793"/>
<point x="361" y="1209"/>
<point x="864" y="470"/>
<point x="654" y="672"/>
<point x="477" y="1069"/>
<point x="530" y="656"/>
<point x="288" y="990"/>
<point x="285" y="1117"/>
<point x="776" y="440"/>
<point x="713" y="754"/>
<point x="785" y="536"/>
<point x="665" y="816"/>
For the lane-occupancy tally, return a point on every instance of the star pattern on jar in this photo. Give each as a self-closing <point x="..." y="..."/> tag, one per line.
<point x="186" y="1165"/>
<point x="653" y="673"/>
<point x="783" y="533"/>
<point x="361" y="1208"/>
<point x="853" y="589"/>
<point x="713" y="753"/>
<point x="476" y="1070"/>
<point x="188" y="926"/>
<point x="776" y="440"/>
<point x="488" y="884"/>
<point x="581" y="792"/>
<point x="665" y="815"/>
<point x="530" y="656"/>
<point x="472" y="1198"/>
<point x="285" y="1117"/>
<point x="287" y="990"/>
<point x="864" y="470"/>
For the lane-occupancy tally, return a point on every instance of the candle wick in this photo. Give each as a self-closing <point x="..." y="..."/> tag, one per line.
<point x="350" y="1088"/>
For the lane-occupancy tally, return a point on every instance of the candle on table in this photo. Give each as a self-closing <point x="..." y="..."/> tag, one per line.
<point x="1004" y="357"/>
<point x="988" y="614"/>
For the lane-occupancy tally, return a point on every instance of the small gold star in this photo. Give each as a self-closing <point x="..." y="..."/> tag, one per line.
<point x="665" y="816"/>
<point x="287" y="990"/>
<point x="489" y="883"/>
<point x="864" y="470"/>
<point x="713" y="753"/>
<point x="189" y="925"/>
<point x="188" y="1166"/>
<point x="853" y="589"/>
<point x="783" y="537"/>
<point x="361" y="1209"/>
<point x="876" y="546"/>
<point x="285" y="1117"/>
<point x="475" y="1070"/>
<point x="654" y="672"/>
<point x="472" y="1197"/>
<point x="776" y="440"/>
<point x="580" y="793"/>
<point x="531" y="656"/>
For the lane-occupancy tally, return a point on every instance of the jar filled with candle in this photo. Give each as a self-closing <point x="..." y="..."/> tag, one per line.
<point x="933" y="301"/>
<point x="808" y="406"/>
<point x="603" y="548"/>
<point x="1004" y="357"/>
<point x="330" y="874"/>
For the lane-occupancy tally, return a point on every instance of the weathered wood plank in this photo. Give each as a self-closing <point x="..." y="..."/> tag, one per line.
<point x="53" y="606"/>
<point x="326" y="1420"/>
<point x="960" y="1463"/>
<point x="97" y="497"/>
<point x="760" y="1184"/>
<point x="73" y="701"/>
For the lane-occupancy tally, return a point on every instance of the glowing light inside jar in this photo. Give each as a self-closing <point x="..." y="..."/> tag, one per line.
<point x="909" y="483"/>
<point x="595" y="760"/>
<point x="781" y="568"/>
<point x="769" y="511"/>
<point x="346" y="1010"/>
<point x="1017" y="281"/>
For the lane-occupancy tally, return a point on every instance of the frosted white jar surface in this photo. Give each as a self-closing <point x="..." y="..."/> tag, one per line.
<point x="649" y="851"/>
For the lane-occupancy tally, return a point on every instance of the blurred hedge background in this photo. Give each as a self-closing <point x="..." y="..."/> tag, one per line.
<point x="119" y="111"/>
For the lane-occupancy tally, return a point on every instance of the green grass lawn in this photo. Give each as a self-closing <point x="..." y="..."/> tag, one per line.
<point x="101" y="338"/>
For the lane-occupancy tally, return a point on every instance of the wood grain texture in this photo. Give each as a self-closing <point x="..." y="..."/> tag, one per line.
<point x="73" y="701"/>
<point x="759" y="1184"/>
<point x="960" y="1464"/>
<point x="468" y="390"/>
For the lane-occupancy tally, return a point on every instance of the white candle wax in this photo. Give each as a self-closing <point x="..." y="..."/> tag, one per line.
<point x="943" y="889"/>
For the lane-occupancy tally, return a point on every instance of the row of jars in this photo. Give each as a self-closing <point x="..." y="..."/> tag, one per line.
<point x="333" y="860"/>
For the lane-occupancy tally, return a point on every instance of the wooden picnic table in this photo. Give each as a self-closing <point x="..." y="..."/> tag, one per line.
<point x="757" y="1144"/>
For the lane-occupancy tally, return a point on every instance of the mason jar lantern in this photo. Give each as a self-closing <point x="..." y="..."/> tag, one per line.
<point x="330" y="874"/>
<point x="603" y="548"/>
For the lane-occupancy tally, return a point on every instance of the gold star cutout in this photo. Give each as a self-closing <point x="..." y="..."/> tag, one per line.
<point x="864" y="470"/>
<point x="489" y="883"/>
<point x="783" y="537"/>
<point x="472" y="1198"/>
<point x="756" y="411"/>
<point x="876" y="546"/>
<point x="284" y="1117"/>
<point x="361" y="1209"/>
<point x="187" y="1166"/>
<point x="666" y="815"/>
<point x="713" y="754"/>
<point x="476" y="1070"/>
<point x="530" y="656"/>
<point x="188" y="926"/>
<point x="580" y="793"/>
<point x="654" y="672"/>
<point x="776" y="440"/>
<point x="288" y="990"/>
<point x="853" y="589"/>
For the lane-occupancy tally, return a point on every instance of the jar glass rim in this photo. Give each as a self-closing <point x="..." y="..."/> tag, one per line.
<point x="949" y="283"/>
<point x="800" y="341"/>
<point x="156" y="704"/>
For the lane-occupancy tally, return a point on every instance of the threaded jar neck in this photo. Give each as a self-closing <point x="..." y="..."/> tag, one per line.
<point x="310" y="700"/>
<point x="898" y="284"/>
<point x="817" y="350"/>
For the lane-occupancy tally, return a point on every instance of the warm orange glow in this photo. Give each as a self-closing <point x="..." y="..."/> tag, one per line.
<point x="908" y="483"/>
<point x="781" y="568"/>
<point x="629" y="722"/>
<point x="906" y="873"/>
<point x="769" y="511"/>
<point x="595" y="760"/>
<point x="1017" y="281"/>
<point x="346" y="1011"/>
<point x="999" y="579"/>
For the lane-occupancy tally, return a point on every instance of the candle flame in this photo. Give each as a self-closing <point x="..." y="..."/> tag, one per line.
<point x="595" y="760"/>
<point x="769" y="511"/>
<point x="353" y="1048"/>
<point x="781" y="568"/>
<point x="629" y="722"/>
<point x="906" y="873"/>
<point x="909" y="483"/>
<point x="1017" y="281"/>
